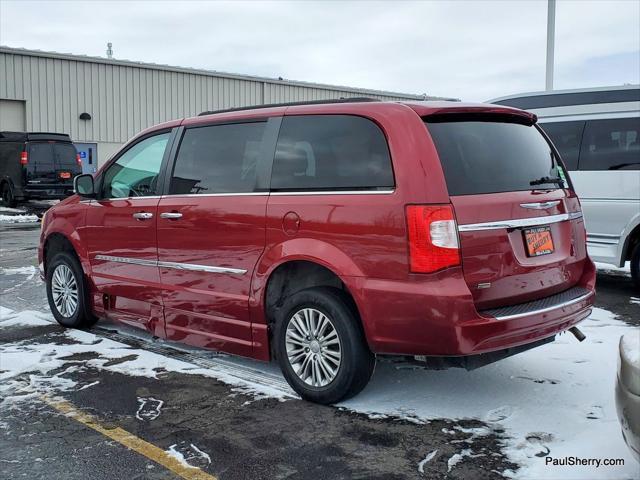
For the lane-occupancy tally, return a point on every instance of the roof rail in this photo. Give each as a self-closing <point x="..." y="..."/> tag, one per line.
<point x="293" y="104"/>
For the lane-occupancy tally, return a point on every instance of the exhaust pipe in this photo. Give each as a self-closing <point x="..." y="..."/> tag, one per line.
<point x="577" y="333"/>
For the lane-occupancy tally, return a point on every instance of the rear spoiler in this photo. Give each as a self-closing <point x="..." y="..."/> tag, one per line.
<point x="481" y="114"/>
<point x="34" y="136"/>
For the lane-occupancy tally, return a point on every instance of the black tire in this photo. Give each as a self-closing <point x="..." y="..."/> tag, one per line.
<point x="357" y="362"/>
<point x="8" y="200"/>
<point x="635" y="266"/>
<point x="82" y="317"/>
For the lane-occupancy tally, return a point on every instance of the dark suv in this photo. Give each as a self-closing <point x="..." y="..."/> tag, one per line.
<point x="325" y="234"/>
<point x="36" y="166"/>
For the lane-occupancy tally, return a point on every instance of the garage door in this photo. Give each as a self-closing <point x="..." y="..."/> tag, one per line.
<point x="12" y="115"/>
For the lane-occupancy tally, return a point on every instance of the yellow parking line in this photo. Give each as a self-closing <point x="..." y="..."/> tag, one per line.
<point x="130" y="441"/>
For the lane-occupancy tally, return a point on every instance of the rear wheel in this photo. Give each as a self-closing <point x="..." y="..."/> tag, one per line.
<point x="635" y="265"/>
<point x="8" y="200"/>
<point x="67" y="292"/>
<point x="320" y="346"/>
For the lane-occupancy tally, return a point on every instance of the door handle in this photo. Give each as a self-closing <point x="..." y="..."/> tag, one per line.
<point x="142" y="215"/>
<point x="171" y="215"/>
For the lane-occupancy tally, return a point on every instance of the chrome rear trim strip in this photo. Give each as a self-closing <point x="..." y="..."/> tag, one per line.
<point x="519" y="222"/>
<point x="173" y="265"/>
<point x="201" y="268"/>
<point x="546" y="309"/>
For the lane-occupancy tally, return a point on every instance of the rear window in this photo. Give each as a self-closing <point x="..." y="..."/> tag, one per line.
<point x="65" y="155"/>
<point x="40" y="154"/>
<point x="45" y="155"/>
<point x="490" y="157"/>
<point x="331" y="152"/>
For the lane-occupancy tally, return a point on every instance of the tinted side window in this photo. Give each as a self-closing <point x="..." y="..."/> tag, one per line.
<point x="566" y="136"/>
<point x="135" y="173"/>
<point x="611" y="145"/>
<point x="218" y="159"/>
<point x="331" y="152"/>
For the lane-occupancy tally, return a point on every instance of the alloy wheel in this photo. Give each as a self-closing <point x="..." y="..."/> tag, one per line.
<point x="313" y="347"/>
<point x="64" y="290"/>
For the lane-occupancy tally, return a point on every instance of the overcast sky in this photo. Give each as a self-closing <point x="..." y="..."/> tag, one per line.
<point x="473" y="50"/>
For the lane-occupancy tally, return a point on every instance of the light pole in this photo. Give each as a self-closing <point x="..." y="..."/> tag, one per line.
<point x="551" y="34"/>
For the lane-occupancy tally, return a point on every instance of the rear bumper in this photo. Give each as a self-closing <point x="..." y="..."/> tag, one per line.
<point x="46" y="192"/>
<point x="436" y="316"/>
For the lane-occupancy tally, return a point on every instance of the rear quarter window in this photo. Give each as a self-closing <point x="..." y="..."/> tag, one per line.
<point x="489" y="157"/>
<point x="612" y="144"/>
<point x="331" y="152"/>
<point x="566" y="136"/>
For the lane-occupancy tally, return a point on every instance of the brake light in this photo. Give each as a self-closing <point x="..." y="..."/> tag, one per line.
<point x="24" y="158"/>
<point x="78" y="159"/>
<point x="433" y="238"/>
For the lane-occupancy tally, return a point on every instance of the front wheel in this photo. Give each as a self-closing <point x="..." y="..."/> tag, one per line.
<point x="320" y="346"/>
<point x="67" y="292"/>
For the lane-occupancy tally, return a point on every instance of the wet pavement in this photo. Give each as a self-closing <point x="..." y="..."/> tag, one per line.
<point x="164" y="396"/>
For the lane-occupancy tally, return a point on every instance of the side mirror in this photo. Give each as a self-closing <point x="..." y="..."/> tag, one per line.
<point x="83" y="186"/>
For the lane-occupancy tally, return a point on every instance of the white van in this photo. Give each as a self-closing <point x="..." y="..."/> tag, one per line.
<point x="597" y="132"/>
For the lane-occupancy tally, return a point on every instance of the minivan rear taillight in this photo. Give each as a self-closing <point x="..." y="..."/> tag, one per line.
<point x="24" y="158"/>
<point x="433" y="238"/>
<point x="78" y="159"/>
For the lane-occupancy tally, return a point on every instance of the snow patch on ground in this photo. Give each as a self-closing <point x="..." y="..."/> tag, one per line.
<point x="11" y="210"/>
<point x="4" y="312"/>
<point x="149" y="408"/>
<point x="426" y="460"/>
<point x="41" y="358"/>
<point x="28" y="318"/>
<point x="27" y="218"/>
<point x="189" y="455"/>
<point x="28" y="270"/>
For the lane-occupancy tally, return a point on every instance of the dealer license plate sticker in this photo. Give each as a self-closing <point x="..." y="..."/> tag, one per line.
<point x="538" y="241"/>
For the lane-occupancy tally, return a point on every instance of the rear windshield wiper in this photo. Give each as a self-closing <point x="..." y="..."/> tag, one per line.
<point x="543" y="180"/>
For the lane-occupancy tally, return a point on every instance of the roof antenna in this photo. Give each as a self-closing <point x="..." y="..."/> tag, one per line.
<point x="109" y="50"/>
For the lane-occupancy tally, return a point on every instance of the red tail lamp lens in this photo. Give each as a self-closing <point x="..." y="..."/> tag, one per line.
<point x="433" y="238"/>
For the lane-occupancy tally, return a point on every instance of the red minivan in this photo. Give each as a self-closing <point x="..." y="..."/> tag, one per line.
<point x="323" y="234"/>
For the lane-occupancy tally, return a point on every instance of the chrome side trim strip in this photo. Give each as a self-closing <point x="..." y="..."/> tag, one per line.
<point x="335" y="192"/>
<point x="546" y="309"/>
<point x="173" y="265"/>
<point x="519" y="222"/>
<point x="238" y="194"/>
<point x="132" y="261"/>
<point x="201" y="268"/>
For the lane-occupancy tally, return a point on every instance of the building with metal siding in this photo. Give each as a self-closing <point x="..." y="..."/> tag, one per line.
<point x="45" y="91"/>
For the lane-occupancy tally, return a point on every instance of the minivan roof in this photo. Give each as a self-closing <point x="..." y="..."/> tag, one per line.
<point x="34" y="136"/>
<point x="362" y="105"/>
<point x="343" y="107"/>
<point x="564" y="98"/>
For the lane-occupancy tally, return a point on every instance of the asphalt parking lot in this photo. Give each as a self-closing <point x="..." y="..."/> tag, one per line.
<point x="113" y="403"/>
